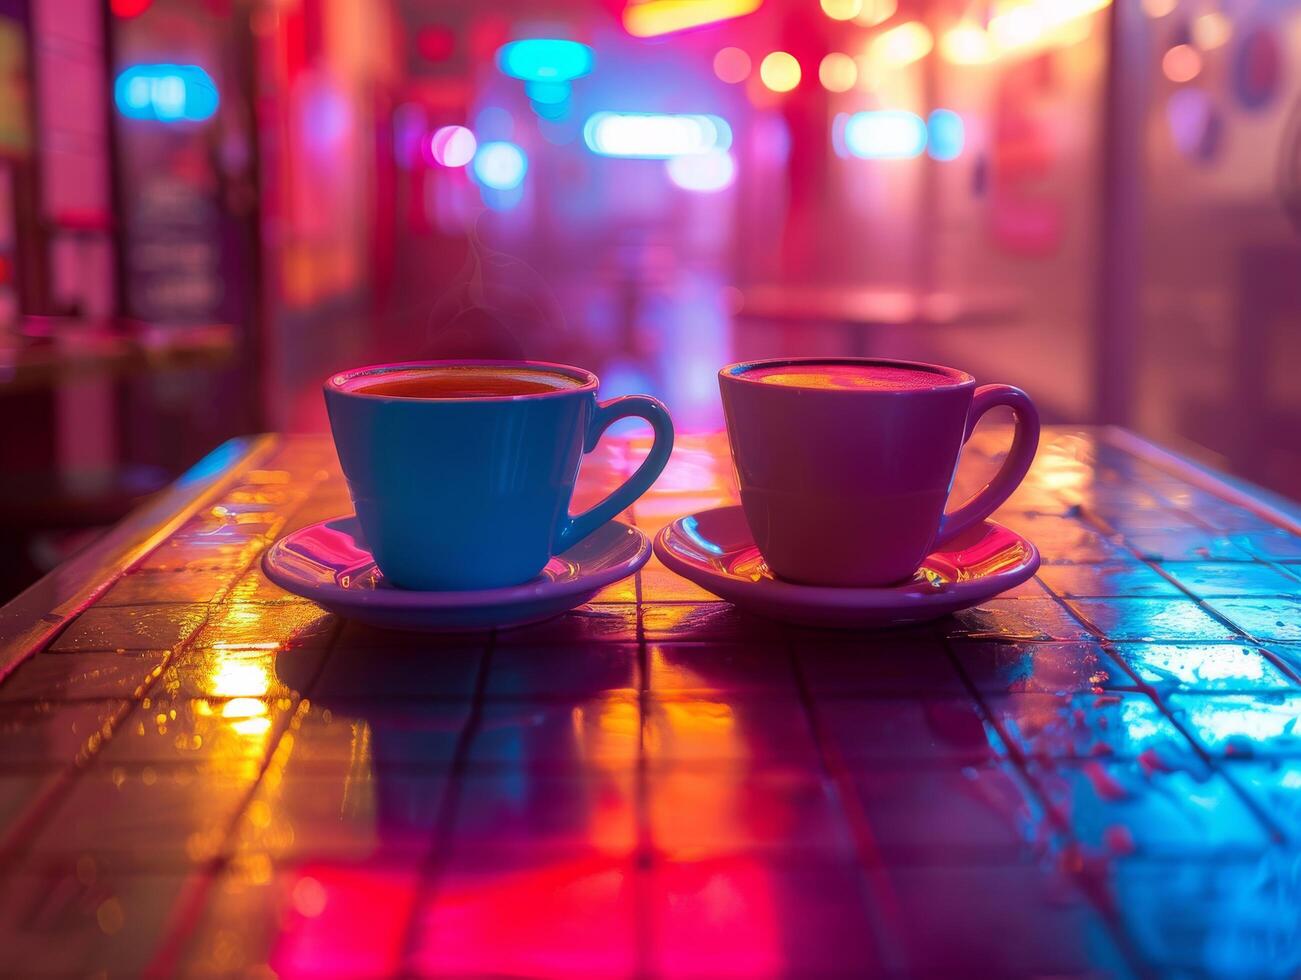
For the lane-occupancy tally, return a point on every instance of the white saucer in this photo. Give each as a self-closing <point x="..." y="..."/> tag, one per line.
<point x="715" y="550"/>
<point x="330" y="564"/>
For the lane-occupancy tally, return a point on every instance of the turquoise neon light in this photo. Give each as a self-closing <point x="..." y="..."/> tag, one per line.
<point x="166" y="93"/>
<point x="545" y="60"/>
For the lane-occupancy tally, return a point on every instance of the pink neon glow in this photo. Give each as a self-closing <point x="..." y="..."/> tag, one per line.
<point x="342" y="921"/>
<point x="453" y="146"/>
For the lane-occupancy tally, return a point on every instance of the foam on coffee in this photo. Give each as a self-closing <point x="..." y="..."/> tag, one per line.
<point x="849" y="377"/>
<point x="466" y="381"/>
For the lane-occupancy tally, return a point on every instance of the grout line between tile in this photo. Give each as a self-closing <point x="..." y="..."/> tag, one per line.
<point x="1020" y="762"/>
<point x="187" y="914"/>
<point x="644" y="855"/>
<point x="444" y="829"/>
<point x="1272" y="827"/>
<point x="883" y="910"/>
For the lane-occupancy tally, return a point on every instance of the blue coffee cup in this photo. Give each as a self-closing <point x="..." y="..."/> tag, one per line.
<point x="471" y="490"/>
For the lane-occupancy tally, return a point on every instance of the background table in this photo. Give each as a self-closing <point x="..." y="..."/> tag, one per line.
<point x="53" y="350"/>
<point x="1098" y="772"/>
<point x="865" y="317"/>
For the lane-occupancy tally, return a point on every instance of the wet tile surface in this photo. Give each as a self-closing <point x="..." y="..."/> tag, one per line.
<point x="1109" y="580"/>
<point x="1170" y="667"/>
<point x="1243" y="725"/>
<point x="746" y="917"/>
<point x="1214" y="917"/>
<point x="152" y="627"/>
<point x="49" y="734"/>
<point x="1151" y="619"/>
<point x="885" y="732"/>
<point x="145" y="818"/>
<point x="1264" y="619"/>
<point x="1079" y="726"/>
<point x="952" y="815"/>
<point x="1123" y="809"/>
<point x="1233" y="579"/>
<point x="891" y="663"/>
<point x="1275" y="786"/>
<point x="87" y="676"/>
<point x="1093" y="775"/>
<point x="1026" y="620"/>
<point x="1038" y="668"/>
<point x="952" y="918"/>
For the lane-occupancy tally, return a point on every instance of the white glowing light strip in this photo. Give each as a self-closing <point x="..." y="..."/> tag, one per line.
<point x="885" y="134"/>
<point x="1034" y="23"/>
<point x="655" y="136"/>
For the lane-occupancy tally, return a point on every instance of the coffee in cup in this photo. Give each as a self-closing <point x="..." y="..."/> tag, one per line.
<point x="461" y="472"/>
<point x="845" y="464"/>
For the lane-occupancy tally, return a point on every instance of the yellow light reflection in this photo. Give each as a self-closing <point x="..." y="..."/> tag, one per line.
<point x="251" y="727"/>
<point x="695" y="721"/>
<point x="1054" y="472"/>
<point x="1020" y="27"/>
<point x="243" y="708"/>
<point x="876" y="12"/>
<point x="966" y="44"/>
<point x="607" y="731"/>
<point x="668" y="617"/>
<point x="652" y="18"/>
<point x="871" y="73"/>
<point x="837" y="72"/>
<point x="1211" y="30"/>
<point x="691" y="811"/>
<point x="902" y="45"/>
<point x="247" y="717"/>
<point x="842" y="9"/>
<point x="1025" y="26"/>
<point x="779" y="71"/>
<point x="1159" y="8"/>
<point x="235" y="722"/>
<point x="240" y="679"/>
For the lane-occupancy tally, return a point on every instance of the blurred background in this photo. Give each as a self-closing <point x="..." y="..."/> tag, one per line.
<point x="207" y="206"/>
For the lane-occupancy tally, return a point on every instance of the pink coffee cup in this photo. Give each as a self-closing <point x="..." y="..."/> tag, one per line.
<point x="845" y="464"/>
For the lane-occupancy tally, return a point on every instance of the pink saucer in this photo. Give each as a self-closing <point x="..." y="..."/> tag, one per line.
<point x="330" y="564"/>
<point x="715" y="550"/>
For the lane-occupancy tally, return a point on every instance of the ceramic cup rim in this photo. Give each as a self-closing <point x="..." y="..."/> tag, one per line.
<point x="343" y="383"/>
<point x="953" y="377"/>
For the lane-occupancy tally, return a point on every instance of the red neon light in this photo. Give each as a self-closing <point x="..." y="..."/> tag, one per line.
<point x="436" y="42"/>
<point x="651" y="18"/>
<point x="129" y="8"/>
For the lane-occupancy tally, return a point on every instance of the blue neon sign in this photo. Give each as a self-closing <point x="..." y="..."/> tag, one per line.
<point x="166" y="93"/>
<point x="545" y="60"/>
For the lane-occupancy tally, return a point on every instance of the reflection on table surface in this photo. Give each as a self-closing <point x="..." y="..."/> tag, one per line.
<point x="48" y="351"/>
<point x="1099" y="772"/>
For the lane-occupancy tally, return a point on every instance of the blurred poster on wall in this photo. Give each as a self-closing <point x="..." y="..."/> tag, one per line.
<point x="1221" y="290"/>
<point x="8" y="242"/>
<point x="168" y="178"/>
<point x="322" y="69"/>
<point x="15" y="122"/>
<point x="1017" y="213"/>
<point x="186" y="197"/>
<point x="15" y="148"/>
<point x="173" y="262"/>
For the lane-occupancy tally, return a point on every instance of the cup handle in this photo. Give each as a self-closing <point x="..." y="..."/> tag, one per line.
<point x="1015" y="466"/>
<point x="573" y="529"/>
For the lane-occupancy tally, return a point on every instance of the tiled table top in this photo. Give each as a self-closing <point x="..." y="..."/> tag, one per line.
<point x="1099" y="773"/>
